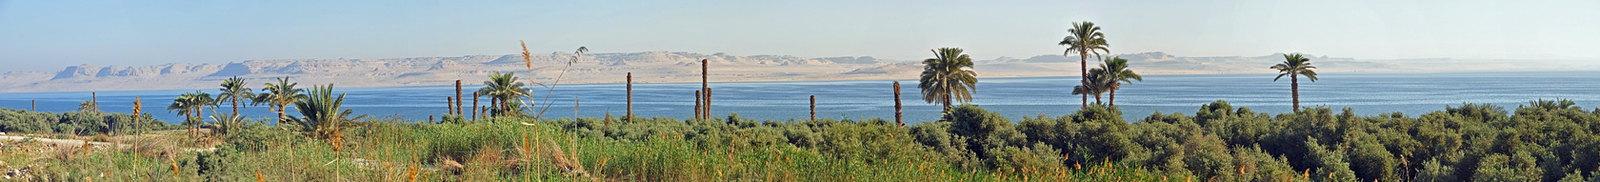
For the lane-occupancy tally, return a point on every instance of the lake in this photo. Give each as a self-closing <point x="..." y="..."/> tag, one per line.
<point x="1411" y="94"/>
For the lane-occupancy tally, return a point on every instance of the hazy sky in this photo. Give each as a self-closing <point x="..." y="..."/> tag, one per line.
<point x="46" y="35"/>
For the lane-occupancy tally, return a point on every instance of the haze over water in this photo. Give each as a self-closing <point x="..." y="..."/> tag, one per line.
<point x="1013" y="97"/>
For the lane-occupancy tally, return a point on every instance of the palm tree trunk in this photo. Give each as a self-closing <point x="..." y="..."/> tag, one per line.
<point x="705" y="76"/>
<point x="697" y="101"/>
<point x="947" y="103"/>
<point x="280" y="115"/>
<point x="1113" y="97"/>
<point x="457" y="107"/>
<point x="1097" y="99"/>
<point x="235" y="101"/>
<point x="630" y="98"/>
<point x="1083" y="75"/>
<point x="505" y="106"/>
<point x="898" y="116"/>
<point x="1294" y="89"/>
<point x="201" y="116"/>
<point x="474" y="106"/>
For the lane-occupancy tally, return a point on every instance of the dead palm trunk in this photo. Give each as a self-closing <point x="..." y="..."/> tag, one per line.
<point x="697" y="110"/>
<point x="1294" y="89"/>
<point x="813" y="107"/>
<point x="898" y="117"/>
<point x="629" y="117"/>
<point x="705" y="109"/>
<point x="475" y="106"/>
<point x="458" y="98"/>
<point x="447" y="105"/>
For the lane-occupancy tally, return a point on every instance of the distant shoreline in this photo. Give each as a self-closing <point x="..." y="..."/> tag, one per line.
<point x="468" y="83"/>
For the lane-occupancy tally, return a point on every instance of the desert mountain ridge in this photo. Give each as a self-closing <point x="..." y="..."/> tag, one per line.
<point x="668" y="67"/>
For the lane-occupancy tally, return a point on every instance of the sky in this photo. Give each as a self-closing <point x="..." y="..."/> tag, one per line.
<point x="48" y="35"/>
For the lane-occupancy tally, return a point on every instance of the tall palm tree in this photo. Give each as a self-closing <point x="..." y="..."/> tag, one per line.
<point x="322" y="114"/>
<point x="947" y="77"/>
<point x="1085" y="38"/>
<point x="232" y="89"/>
<point x="1097" y="85"/>
<point x="1115" y="73"/>
<point x="505" y="88"/>
<point x="192" y="106"/>
<point x="279" y="95"/>
<point x="1294" y="66"/>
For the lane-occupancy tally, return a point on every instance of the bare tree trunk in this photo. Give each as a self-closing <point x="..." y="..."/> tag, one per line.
<point x="705" y="107"/>
<point x="447" y="106"/>
<point x="1294" y="89"/>
<point x="629" y="117"/>
<point x="697" y="100"/>
<point x="813" y="107"/>
<point x="475" y="106"/>
<point x="898" y="116"/>
<point x="33" y="105"/>
<point x="457" y="109"/>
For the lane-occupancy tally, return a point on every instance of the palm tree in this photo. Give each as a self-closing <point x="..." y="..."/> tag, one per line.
<point x="1084" y="38"/>
<point x="226" y="124"/>
<point x="191" y="106"/>
<point x="1097" y="86"/>
<point x="505" y="88"/>
<point x="279" y="95"/>
<point x="948" y="76"/>
<point x="322" y="114"/>
<point x="1294" y="66"/>
<point x="88" y="107"/>
<point x="1115" y="73"/>
<point x="232" y="89"/>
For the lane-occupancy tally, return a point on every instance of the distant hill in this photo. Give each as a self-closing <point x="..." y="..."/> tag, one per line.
<point x="662" y="67"/>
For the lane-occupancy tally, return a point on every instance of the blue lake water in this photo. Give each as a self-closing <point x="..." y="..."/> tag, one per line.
<point x="1411" y="94"/>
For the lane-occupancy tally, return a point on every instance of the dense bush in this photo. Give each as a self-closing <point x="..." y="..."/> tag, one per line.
<point x="79" y="123"/>
<point x="1540" y="141"/>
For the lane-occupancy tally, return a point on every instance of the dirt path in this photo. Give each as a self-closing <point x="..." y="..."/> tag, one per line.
<point x="77" y="142"/>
